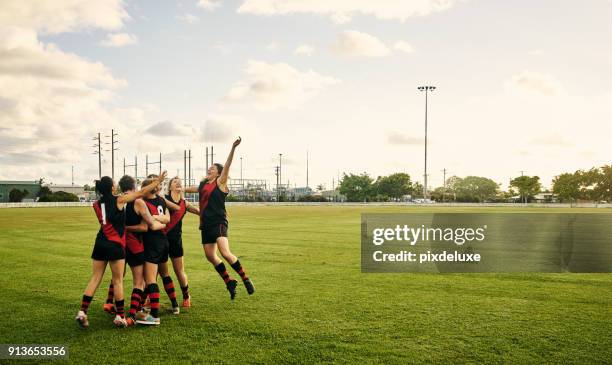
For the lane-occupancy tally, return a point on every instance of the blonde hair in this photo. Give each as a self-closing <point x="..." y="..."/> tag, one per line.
<point x="170" y="184"/>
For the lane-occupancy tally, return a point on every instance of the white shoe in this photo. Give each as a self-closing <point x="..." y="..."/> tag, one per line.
<point x="81" y="319"/>
<point x="120" y="322"/>
<point x="150" y="320"/>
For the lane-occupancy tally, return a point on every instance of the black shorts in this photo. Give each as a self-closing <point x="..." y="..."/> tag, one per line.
<point x="175" y="246"/>
<point x="156" y="249"/>
<point x="134" y="259"/>
<point x="107" y="251"/>
<point x="211" y="233"/>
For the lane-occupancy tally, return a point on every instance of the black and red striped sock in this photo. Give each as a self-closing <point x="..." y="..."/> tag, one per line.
<point x="143" y="297"/>
<point x="111" y="294"/>
<point x="85" y="303"/>
<point x="238" y="267"/>
<point x="154" y="298"/>
<point x="185" y="290"/>
<point x="119" y="306"/>
<point x="169" y="288"/>
<point x="223" y="272"/>
<point x="135" y="301"/>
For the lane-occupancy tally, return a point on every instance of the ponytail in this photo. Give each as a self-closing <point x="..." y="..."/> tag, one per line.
<point x="104" y="188"/>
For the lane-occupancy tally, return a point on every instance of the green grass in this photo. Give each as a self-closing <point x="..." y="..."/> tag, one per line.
<point x="312" y="303"/>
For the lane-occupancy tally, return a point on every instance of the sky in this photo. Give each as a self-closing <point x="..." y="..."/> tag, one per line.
<point x="521" y="87"/>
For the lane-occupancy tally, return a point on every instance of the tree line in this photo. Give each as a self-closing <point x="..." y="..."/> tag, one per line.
<point x="592" y="185"/>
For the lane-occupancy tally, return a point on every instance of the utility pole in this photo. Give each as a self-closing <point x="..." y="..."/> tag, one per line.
<point x="72" y="174"/>
<point x="444" y="192"/>
<point x="99" y="153"/>
<point x="241" y="170"/>
<point x="207" y="165"/>
<point x="280" y="168"/>
<point x="112" y="151"/>
<point x="306" y="168"/>
<point x="276" y="172"/>
<point x="189" y="165"/>
<point x="426" y="89"/>
<point x="187" y="183"/>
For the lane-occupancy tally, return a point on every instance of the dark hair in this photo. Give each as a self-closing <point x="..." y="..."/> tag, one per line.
<point x="104" y="187"/>
<point x="219" y="168"/>
<point x="149" y="180"/>
<point x="127" y="183"/>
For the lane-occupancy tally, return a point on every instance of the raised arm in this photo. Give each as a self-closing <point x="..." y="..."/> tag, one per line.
<point x="192" y="208"/>
<point x="142" y="210"/>
<point x="190" y="189"/>
<point x="129" y="197"/>
<point x="172" y="206"/>
<point x="222" y="180"/>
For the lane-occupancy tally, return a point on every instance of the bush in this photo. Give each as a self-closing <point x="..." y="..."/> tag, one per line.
<point x="60" y="196"/>
<point x="16" y="195"/>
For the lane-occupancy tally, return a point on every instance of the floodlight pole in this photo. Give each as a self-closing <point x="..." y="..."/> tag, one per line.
<point x="426" y="89"/>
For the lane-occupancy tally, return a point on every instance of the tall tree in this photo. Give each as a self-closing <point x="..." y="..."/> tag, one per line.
<point x="394" y="186"/>
<point x="527" y="186"/>
<point x="567" y="186"/>
<point x="475" y="189"/>
<point x="356" y="188"/>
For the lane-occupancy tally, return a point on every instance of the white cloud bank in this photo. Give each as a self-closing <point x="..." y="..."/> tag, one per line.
<point x="276" y="85"/>
<point x="340" y="11"/>
<point x="119" y="40"/>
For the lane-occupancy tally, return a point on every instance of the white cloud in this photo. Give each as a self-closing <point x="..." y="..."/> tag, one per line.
<point x="188" y="18"/>
<point x="276" y="85"/>
<point x="209" y="4"/>
<point x="354" y="43"/>
<point x="170" y="129"/>
<point x="403" y="46"/>
<point x="340" y="18"/>
<point x="50" y="99"/>
<point x="119" y="40"/>
<point x="60" y="16"/>
<point x="534" y="83"/>
<point x="400" y="139"/>
<point x="272" y="46"/>
<point x="304" y="50"/>
<point x="343" y="9"/>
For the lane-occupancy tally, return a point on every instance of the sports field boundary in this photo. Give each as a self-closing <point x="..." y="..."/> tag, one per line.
<point x="346" y="204"/>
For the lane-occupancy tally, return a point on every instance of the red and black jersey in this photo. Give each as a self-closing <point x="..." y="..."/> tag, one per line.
<point x="112" y="221"/>
<point x="174" y="228"/>
<point x="212" y="204"/>
<point x="133" y="240"/>
<point x="156" y="206"/>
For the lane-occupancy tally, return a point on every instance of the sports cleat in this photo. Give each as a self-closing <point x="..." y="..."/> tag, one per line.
<point x="81" y="319"/>
<point x="120" y="322"/>
<point x="187" y="303"/>
<point x="249" y="286"/>
<point x="130" y="321"/>
<point x="176" y="310"/>
<point x="231" y="287"/>
<point x="148" y="320"/>
<point x="110" y="308"/>
<point x="141" y="315"/>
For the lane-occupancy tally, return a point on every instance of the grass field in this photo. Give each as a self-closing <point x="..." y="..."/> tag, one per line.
<point x="312" y="303"/>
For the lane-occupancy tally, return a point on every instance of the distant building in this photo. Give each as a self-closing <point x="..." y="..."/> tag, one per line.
<point x="296" y="193"/>
<point x="33" y="187"/>
<point x="73" y="189"/>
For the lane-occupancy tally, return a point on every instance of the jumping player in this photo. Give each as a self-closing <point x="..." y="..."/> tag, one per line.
<point x="109" y="247"/>
<point x="155" y="249"/>
<point x="213" y="222"/>
<point x="138" y="220"/>
<point x="178" y="208"/>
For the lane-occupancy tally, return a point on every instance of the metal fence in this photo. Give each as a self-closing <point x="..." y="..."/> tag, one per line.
<point x="408" y="204"/>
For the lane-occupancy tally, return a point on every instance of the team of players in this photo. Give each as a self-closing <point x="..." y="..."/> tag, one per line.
<point x="144" y="228"/>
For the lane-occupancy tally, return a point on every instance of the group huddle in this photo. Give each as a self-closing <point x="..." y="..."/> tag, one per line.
<point x="143" y="228"/>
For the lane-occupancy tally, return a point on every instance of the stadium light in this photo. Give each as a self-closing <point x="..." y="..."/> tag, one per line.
<point x="426" y="89"/>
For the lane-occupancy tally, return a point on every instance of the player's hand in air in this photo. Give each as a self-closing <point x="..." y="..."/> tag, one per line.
<point x="237" y="142"/>
<point x="162" y="177"/>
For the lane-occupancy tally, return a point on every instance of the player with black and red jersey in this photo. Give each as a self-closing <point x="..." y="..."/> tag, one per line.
<point x="214" y="224"/>
<point x="155" y="249"/>
<point x="178" y="208"/>
<point x="137" y="221"/>
<point x="109" y="247"/>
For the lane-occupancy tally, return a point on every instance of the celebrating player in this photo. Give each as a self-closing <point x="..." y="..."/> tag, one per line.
<point x="155" y="249"/>
<point x="178" y="208"/>
<point x="138" y="220"/>
<point x="109" y="247"/>
<point x="213" y="222"/>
